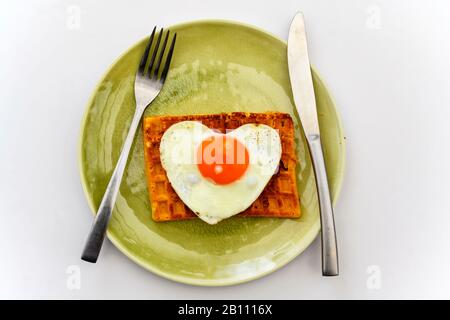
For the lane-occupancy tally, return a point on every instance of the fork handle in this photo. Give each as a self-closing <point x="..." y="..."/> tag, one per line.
<point x="97" y="233"/>
<point x="330" y="265"/>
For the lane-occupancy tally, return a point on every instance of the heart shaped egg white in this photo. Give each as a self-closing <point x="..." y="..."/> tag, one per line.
<point x="214" y="202"/>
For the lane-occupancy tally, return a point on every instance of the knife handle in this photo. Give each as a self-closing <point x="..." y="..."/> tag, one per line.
<point x="330" y="265"/>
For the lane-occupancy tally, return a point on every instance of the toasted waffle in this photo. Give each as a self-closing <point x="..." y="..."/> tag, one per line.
<point x="279" y="198"/>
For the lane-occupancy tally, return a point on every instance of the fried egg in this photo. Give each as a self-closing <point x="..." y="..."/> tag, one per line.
<point x="219" y="175"/>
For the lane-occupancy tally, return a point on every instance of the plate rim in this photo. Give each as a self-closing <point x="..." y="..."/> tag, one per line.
<point x="307" y="240"/>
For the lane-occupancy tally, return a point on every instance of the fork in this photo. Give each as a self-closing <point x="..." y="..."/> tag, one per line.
<point x="147" y="85"/>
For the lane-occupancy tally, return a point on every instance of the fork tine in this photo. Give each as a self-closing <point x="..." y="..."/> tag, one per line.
<point x="155" y="51"/>
<point x="146" y="51"/>
<point x="161" y="54"/>
<point x="168" y="59"/>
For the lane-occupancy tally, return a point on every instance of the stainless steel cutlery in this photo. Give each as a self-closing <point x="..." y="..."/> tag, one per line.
<point x="305" y="102"/>
<point x="150" y="77"/>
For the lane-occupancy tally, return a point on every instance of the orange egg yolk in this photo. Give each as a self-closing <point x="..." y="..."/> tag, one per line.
<point x="222" y="159"/>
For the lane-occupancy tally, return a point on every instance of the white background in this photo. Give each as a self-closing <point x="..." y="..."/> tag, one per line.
<point x="387" y="64"/>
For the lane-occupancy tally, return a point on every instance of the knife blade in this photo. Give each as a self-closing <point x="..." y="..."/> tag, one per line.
<point x="305" y="102"/>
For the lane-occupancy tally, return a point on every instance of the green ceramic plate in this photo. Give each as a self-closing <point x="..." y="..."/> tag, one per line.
<point x="218" y="66"/>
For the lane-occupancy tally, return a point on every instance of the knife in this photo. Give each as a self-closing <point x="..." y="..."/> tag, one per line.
<point x="305" y="102"/>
